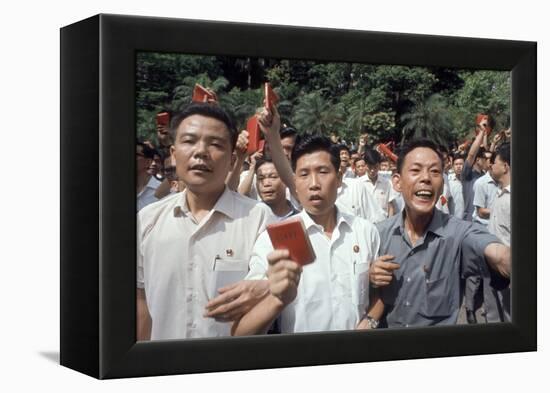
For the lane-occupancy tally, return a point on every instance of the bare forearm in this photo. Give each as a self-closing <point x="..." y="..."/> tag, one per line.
<point x="475" y="148"/>
<point x="376" y="305"/>
<point x="232" y="179"/>
<point x="258" y="319"/>
<point x="246" y="184"/>
<point x="143" y="318"/>
<point x="281" y="162"/>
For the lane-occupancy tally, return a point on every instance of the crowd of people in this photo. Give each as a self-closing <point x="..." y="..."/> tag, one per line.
<point x="403" y="242"/>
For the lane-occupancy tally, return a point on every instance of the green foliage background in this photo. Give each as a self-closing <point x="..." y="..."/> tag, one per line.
<point x="388" y="102"/>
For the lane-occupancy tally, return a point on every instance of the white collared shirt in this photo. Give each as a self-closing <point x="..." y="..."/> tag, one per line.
<point x="382" y="190"/>
<point x="147" y="195"/>
<point x="500" y="220"/>
<point x="333" y="290"/>
<point x="181" y="263"/>
<point x="485" y="192"/>
<point x="355" y="198"/>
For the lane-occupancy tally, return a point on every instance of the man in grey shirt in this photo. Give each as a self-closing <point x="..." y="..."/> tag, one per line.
<point x="425" y="249"/>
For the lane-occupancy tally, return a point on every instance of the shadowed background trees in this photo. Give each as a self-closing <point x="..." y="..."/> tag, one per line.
<point x="390" y="103"/>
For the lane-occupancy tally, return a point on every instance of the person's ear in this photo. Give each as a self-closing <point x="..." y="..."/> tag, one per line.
<point x="396" y="182"/>
<point x="172" y="155"/>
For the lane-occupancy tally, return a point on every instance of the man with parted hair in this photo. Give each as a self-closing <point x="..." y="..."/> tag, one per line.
<point x="423" y="250"/>
<point x="332" y="293"/>
<point x="190" y="244"/>
<point x="379" y="186"/>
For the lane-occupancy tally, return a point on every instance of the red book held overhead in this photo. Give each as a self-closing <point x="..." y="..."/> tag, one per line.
<point x="254" y="135"/>
<point x="201" y="94"/>
<point x="291" y="235"/>
<point x="163" y="119"/>
<point x="271" y="98"/>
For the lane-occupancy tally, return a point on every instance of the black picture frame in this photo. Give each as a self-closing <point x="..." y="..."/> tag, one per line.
<point x="98" y="60"/>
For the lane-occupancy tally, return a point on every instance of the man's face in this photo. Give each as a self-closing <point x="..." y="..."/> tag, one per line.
<point x="458" y="164"/>
<point x="488" y="156"/>
<point x="447" y="161"/>
<point x="142" y="163"/>
<point x="360" y="168"/>
<point x="288" y="144"/>
<point x="420" y="180"/>
<point x="385" y="166"/>
<point x="156" y="165"/>
<point x="317" y="182"/>
<point x="344" y="158"/>
<point x="372" y="171"/>
<point x="202" y="153"/>
<point x="499" y="169"/>
<point x="271" y="188"/>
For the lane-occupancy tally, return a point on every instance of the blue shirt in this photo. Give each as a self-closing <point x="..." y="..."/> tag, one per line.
<point x="426" y="288"/>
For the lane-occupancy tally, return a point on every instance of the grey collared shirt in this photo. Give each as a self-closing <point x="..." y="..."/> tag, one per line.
<point x="425" y="289"/>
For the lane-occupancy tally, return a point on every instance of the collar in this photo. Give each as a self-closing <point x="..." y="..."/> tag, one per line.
<point x="341" y="218"/>
<point x="436" y="225"/>
<point x="507" y="189"/>
<point x="225" y="204"/>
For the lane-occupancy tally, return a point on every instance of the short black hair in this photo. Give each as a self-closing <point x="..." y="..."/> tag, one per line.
<point x="503" y="152"/>
<point x="260" y="162"/>
<point x="206" y="110"/>
<point x="287" y="131"/>
<point x="372" y="157"/>
<point x="414" y="144"/>
<point x="313" y="143"/>
<point x="146" y="150"/>
<point x="343" y="147"/>
<point x="481" y="153"/>
<point x="357" y="159"/>
<point x="459" y="156"/>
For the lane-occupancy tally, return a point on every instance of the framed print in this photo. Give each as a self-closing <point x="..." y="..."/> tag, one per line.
<point x="102" y="89"/>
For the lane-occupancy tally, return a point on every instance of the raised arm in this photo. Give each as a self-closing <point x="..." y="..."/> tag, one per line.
<point x="232" y="179"/>
<point x="270" y="123"/>
<point x="475" y="148"/>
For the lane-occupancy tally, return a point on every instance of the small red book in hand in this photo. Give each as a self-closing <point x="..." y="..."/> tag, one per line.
<point x="291" y="235"/>
<point x="254" y="135"/>
<point x="201" y="94"/>
<point x="163" y="119"/>
<point x="271" y="98"/>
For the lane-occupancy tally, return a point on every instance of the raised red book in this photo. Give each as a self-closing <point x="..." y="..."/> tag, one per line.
<point x="271" y="98"/>
<point x="201" y="94"/>
<point x="254" y="135"/>
<point x="291" y="235"/>
<point x="163" y="119"/>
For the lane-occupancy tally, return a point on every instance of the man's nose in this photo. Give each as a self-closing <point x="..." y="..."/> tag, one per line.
<point x="313" y="181"/>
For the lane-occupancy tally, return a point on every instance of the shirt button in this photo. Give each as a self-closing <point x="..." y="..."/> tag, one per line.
<point x="407" y="304"/>
<point x="189" y="297"/>
<point x="408" y="279"/>
<point x="407" y="325"/>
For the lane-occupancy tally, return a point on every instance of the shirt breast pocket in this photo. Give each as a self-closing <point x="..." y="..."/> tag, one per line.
<point x="226" y="271"/>
<point x="360" y="283"/>
<point x="437" y="301"/>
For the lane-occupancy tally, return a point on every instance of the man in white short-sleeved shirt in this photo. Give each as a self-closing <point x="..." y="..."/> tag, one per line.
<point x="332" y="293"/>
<point x="379" y="186"/>
<point x="192" y="244"/>
<point x="485" y="192"/>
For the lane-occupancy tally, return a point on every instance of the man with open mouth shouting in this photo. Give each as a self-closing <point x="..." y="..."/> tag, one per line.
<point x="193" y="247"/>
<point x="425" y="250"/>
